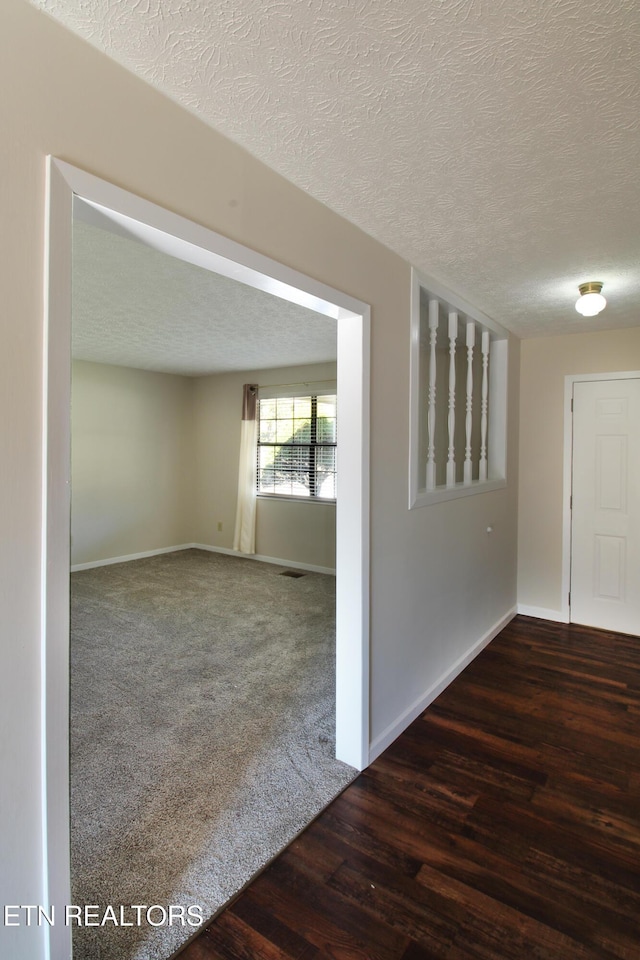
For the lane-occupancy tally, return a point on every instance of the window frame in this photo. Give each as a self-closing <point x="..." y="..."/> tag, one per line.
<point x="311" y="391"/>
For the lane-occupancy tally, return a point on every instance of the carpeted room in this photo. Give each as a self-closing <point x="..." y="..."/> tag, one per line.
<point x="202" y="684"/>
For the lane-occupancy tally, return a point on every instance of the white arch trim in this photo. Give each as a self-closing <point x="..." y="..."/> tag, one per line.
<point x="190" y="241"/>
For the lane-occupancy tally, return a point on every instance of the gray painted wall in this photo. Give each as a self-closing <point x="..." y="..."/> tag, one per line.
<point x="438" y="582"/>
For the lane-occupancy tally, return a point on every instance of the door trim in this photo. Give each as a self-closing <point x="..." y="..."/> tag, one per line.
<point x="569" y="380"/>
<point x="193" y="242"/>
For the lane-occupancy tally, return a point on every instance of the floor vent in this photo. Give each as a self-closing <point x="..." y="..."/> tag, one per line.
<point x="292" y="573"/>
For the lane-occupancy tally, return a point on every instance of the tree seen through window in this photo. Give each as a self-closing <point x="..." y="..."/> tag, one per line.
<point x="297" y="446"/>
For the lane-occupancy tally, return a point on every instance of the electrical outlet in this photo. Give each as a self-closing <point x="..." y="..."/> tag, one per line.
<point x="219" y="525"/>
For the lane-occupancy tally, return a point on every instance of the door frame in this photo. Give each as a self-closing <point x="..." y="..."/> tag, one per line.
<point x="181" y="237"/>
<point x="569" y="380"/>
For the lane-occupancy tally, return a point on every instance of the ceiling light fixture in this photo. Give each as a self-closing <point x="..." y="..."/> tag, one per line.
<point x="590" y="302"/>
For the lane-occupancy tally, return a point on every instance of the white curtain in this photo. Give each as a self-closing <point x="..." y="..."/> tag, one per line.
<point x="244" y="538"/>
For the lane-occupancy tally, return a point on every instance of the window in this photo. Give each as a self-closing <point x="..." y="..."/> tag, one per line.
<point x="297" y="446"/>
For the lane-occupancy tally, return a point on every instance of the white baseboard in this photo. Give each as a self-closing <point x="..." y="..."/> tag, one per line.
<point x="293" y="564"/>
<point x="394" y="730"/>
<point x="131" y="556"/>
<point x="543" y="613"/>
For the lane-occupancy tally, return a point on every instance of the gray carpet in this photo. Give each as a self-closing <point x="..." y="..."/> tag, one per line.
<point x="202" y="734"/>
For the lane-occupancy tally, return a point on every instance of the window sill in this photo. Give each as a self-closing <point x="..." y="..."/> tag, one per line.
<point x="425" y="498"/>
<point x="284" y="497"/>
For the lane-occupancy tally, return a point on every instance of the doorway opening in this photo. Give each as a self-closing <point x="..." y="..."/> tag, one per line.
<point x="186" y="240"/>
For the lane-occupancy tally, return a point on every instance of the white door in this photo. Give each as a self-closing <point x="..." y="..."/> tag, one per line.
<point x="605" y="519"/>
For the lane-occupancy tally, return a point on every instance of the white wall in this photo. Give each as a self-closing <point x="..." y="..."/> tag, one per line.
<point x="292" y="531"/>
<point x="154" y="464"/>
<point x="545" y="363"/>
<point x="438" y="581"/>
<point x="132" y="482"/>
<point x="297" y="531"/>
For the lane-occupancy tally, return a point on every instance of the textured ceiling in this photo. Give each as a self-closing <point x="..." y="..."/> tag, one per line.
<point x="136" y="307"/>
<point x="492" y="143"/>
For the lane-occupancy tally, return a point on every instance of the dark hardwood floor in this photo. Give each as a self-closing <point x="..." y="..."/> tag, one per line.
<point x="504" y="824"/>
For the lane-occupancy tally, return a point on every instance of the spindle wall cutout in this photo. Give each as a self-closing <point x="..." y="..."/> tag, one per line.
<point x="458" y="397"/>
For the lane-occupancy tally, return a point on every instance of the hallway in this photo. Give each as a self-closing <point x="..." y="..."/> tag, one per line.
<point x="503" y="824"/>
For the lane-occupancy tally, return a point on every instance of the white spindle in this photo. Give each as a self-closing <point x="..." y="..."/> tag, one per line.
<point x="451" y="462"/>
<point x="471" y="339"/>
<point x="431" y="412"/>
<point x="484" y="408"/>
